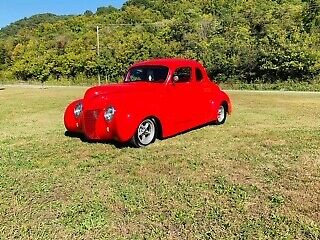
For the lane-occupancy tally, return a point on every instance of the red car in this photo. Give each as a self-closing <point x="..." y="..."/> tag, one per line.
<point x="157" y="99"/>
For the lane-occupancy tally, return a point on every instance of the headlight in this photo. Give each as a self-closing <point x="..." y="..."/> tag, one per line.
<point x="109" y="113"/>
<point x="77" y="110"/>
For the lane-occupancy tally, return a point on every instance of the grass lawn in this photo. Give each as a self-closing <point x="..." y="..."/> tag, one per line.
<point x="256" y="177"/>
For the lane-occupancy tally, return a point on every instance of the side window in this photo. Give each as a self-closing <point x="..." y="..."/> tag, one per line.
<point x="182" y="75"/>
<point x="199" y="75"/>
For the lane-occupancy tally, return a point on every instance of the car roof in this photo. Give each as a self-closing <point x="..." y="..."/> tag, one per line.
<point x="168" y="62"/>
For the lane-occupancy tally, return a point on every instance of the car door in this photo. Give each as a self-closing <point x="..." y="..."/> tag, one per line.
<point x="181" y="97"/>
<point x="202" y="96"/>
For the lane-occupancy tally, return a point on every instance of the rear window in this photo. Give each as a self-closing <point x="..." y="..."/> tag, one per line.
<point x="199" y="75"/>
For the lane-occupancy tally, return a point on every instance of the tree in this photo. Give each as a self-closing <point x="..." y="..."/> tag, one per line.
<point x="106" y="10"/>
<point x="88" y="13"/>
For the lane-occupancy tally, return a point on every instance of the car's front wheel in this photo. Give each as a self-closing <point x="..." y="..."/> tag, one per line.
<point x="145" y="134"/>
<point x="222" y="114"/>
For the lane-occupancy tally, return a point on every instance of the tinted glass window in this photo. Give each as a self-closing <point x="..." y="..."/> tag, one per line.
<point x="147" y="73"/>
<point x="199" y="75"/>
<point x="183" y="74"/>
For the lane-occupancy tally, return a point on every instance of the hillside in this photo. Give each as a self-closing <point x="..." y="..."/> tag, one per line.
<point x="252" y="40"/>
<point x="29" y="23"/>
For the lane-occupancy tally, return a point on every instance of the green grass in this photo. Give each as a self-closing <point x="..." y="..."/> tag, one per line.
<point x="256" y="177"/>
<point x="290" y="85"/>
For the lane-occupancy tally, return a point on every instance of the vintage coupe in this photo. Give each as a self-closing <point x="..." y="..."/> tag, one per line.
<point x="158" y="98"/>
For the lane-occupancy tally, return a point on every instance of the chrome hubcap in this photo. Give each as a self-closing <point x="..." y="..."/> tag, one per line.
<point x="221" y="114"/>
<point x="146" y="131"/>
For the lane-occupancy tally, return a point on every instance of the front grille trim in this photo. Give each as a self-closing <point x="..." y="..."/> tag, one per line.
<point x="90" y="118"/>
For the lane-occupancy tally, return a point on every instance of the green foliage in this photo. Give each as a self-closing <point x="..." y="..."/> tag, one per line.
<point x="265" y="41"/>
<point x="105" y="10"/>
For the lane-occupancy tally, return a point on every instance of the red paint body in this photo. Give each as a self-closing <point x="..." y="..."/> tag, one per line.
<point x="176" y="106"/>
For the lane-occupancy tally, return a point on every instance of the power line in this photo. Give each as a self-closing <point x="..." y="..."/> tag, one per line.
<point x="132" y="24"/>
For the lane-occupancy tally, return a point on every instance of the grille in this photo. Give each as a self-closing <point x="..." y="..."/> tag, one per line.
<point x="90" y="118"/>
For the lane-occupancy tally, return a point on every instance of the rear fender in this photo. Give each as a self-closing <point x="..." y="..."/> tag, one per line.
<point x="217" y="101"/>
<point x="226" y="98"/>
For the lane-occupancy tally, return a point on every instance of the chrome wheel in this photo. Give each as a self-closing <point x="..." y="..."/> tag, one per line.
<point x="221" y="115"/>
<point x="145" y="134"/>
<point x="146" y="131"/>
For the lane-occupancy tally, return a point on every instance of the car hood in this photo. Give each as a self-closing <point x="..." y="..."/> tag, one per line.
<point x="99" y="95"/>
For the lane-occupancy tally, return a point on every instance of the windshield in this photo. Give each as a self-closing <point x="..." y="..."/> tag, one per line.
<point x="148" y="74"/>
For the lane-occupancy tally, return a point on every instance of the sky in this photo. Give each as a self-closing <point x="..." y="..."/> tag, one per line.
<point x="13" y="10"/>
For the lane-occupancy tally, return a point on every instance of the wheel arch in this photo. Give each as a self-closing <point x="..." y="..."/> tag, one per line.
<point x="158" y="126"/>
<point x="226" y="102"/>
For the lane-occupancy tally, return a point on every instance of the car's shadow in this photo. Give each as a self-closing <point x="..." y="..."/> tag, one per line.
<point x="85" y="140"/>
<point x="125" y="145"/>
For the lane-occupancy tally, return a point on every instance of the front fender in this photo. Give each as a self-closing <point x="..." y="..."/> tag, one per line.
<point x="126" y="125"/>
<point x="72" y="123"/>
<point x="127" y="122"/>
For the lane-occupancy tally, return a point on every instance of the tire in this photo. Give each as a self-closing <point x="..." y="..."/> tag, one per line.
<point x="222" y="115"/>
<point x="146" y="133"/>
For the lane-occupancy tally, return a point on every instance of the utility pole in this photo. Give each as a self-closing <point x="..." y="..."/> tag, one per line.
<point x="98" y="53"/>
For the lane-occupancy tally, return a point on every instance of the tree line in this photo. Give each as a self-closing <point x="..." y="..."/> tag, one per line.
<point x="253" y="40"/>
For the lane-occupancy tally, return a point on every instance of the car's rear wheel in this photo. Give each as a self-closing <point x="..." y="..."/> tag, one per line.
<point x="222" y="114"/>
<point x="145" y="134"/>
